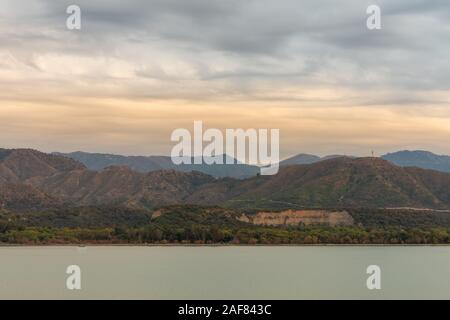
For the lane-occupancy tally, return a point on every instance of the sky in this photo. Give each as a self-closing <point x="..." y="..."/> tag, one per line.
<point x="138" y="70"/>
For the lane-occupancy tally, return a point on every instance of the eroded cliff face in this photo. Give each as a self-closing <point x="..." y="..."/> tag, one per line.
<point x="295" y="217"/>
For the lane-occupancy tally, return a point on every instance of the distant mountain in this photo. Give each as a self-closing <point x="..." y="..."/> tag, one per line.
<point x="345" y="182"/>
<point x="420" y="159"/>
<point x="33" y="180"/>
<point x="30" y="179"/>
<point x="301" y="158"/>
<point x="19" y="165"/>
<point x="98" y="161"/>
<point x="304" y="158"/>
<point x="338" y="182"/>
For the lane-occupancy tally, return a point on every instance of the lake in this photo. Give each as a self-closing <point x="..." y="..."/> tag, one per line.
<point x="328" y="272"/>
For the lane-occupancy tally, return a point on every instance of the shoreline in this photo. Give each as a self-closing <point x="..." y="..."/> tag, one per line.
<point x="217" y="245"/>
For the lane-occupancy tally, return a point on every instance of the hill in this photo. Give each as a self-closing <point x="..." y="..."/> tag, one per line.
<point x="30" y="179"/>
<point x="345" y="182"/>
<point x="19" y="165"/>
<point x="122" y="186"/>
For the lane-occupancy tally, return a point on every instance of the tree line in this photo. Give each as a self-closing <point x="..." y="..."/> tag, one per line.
<point x="198" y="234"/>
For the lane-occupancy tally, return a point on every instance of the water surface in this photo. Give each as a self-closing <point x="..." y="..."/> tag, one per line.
<point x="225" y="272"/>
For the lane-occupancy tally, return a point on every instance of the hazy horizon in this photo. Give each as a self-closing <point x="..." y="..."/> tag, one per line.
<point x="168" y="155"/>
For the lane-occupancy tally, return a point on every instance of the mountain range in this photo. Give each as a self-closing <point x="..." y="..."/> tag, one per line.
<point x="31" y="180"/>
<point x="99" y="161"/>
<point x="420" y="159"/>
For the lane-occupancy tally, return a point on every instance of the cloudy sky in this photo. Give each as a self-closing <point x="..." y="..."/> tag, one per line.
<point x="137" y="70"/>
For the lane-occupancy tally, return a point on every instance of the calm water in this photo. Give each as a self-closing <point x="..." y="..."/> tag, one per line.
<point x="225" y="272"/>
